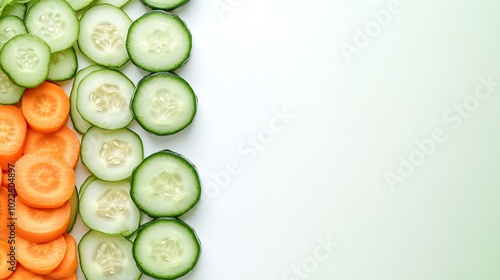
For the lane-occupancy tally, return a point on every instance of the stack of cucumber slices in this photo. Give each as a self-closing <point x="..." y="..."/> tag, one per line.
<point x="40" y="40"/>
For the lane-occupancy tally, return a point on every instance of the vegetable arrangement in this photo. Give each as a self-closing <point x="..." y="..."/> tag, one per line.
<point x="39" y="44"/>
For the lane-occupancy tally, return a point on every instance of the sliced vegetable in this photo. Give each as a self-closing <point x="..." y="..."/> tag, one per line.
<point x="166" y="248"/>
<point x="10" y="93"/>
<point x="63" y="65"/>
<point x="10" y="27"/>
<point x="40" y="258"/>
<point x="104" y="256"/>
<point x="108" y="208"/>
<point x="5" y="214"/>
<point x="164" y="103"/>
<point x="25" y="59"/>
<point x="103" y="33"/>
<point x="16" y="9"/>
<point x="167" y="5"/>
<point x="46" y="107"/>
<point x="6" y="263"/>
<point x="165" y="184"/>
<point x="103" y="99"/>
<point x="55" y="22"/>
<point x="116" y="3"/>
<point x="79" y="5"/>
<point x="111" y="155"/>
<point x="159" y="41"/>
<point x="69" y="263"/>
<point x="41" y="225"/>
<point x="12" y="135"/>
<point x="74" y="204"/>
<point x="63" y="142"/>
<point x="42" y="181"/>
<point x="79" y="123"/>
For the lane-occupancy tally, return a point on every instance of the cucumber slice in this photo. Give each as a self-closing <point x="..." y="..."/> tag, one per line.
<point x="165" y="184"/>
<point x="84" y="185"/>
<point x="25" y="59"/>
<point x="111" y="155"/>
<point x="103" y="99"/>
<point x="108" y="208"/>
<point x="10" y="93"/>
<point x="116" y="3"/>
<point x="166" y="248"/>
<point x="16" y="9"/>
<point x="10" y="27"/>
<point x="79" y="123"/>
<point x="79" y="5"/>
<point x="55" y="22"/>
<point x="167" y="5"/>
<point x="159" y="41"/>
<point x="164" y="103"/>
<point x="107" y="257"/>
<point x="73" y="202"/>
<point x="102" y="37"/>
<point x="63" y="65"/>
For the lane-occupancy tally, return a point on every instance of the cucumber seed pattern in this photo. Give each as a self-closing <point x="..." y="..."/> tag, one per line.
<point x="167" y="250"/>
<point x="108" y="98"/>
<point x="51" y="24"/>
<point x="160" y="41"/>
<point x="166" y="106"/>
<point x="113" y="204"/>
<point x="107" y="37"/>
<point x="110" y="258"/>
<point x="115" y="152"/>
<point x="168" y="185"/>
<point x="26" y="59"/>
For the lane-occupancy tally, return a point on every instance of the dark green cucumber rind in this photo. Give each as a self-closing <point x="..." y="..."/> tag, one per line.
<point x="72" y="67"/>
<point x="17" y="9"/>
<point x="135" y="107"/>
<point x="134" y="59"/>
<point x="79" y="123"/>
<point x="73" y="202"/>
<point x="144" y="228"/>
<point x="121" y="4"/>
<point x="166" y="8"/>
<point x="135" y="187"/>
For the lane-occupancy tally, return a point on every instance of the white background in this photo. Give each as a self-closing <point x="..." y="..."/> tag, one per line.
<point x="321" y="174"/>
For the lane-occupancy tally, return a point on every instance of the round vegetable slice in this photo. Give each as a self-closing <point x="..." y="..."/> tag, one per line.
<point x="166" y="248"/>
<point x="159" y="41"/>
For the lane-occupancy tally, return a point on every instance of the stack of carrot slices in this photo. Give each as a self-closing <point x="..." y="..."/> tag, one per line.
<point x="42" y="153"/>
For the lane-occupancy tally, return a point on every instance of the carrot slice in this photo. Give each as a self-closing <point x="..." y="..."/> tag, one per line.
<point x="46" y="107"/>
<point x="12" y="135"/>
<point x="22" y="273"/>
<point x="5" y="232"/>
<point x="43" y="181"/>
<point x="7" y="260"/>
<point x="72" y="277"/>
<point x="69" y="264"/>
<point x="5" y="178"/>
<point x="64" y="142"/>
<point x="41" y="225"/>
<point x="40" y="258"/>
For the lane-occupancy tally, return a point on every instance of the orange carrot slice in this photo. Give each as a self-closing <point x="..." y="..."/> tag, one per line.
<point x="41" y="225"/>
<point x="5" y="231"/>
<point x="43" y="181"/>
<point x="64" y="142"/>
<point x="12" y="135"/>
<point x="40" y="258"/>
<point x="7" y="260"/>
<point x="46" y="107"/>
<point x="22" y="273"/>
<point x="69" y="264"/>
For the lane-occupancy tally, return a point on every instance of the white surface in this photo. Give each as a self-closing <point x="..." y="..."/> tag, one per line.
<point x="319" y="175"/>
